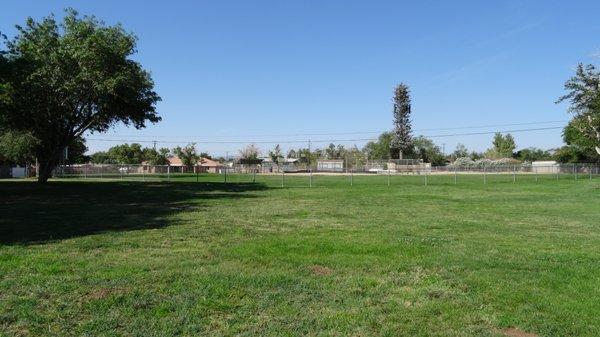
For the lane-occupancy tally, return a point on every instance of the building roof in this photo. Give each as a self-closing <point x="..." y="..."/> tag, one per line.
<point x="209" y="162"/>
<point x="176" y="161"/>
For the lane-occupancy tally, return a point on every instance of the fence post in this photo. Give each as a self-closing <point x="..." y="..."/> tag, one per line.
<point x="455" y="175"/>
<point x="590" y="172"/>
<point x="121" y="171"/>
<point x="351" y="177"/>
<point x="558" y="171"/>
<point x="101" y="172"/>
<point x="426" y="178"/>
<point x="388" y="175"/>
<point x="282" y="178"/>
<point x="514" y="173"/>
<point x="225" y="172"/>
<point x="169" y="173"/>
<point x="254" y="175"/>
<point x="575" y="171"/>
<point x="85" y="172"/>
<point x="309" y="177"/>
<point x="536" y="174"/>
<point x="143" y="173"/>
<point x="484" y="176"/>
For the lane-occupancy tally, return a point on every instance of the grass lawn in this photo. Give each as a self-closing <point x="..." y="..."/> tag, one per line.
<point x="186" y="258"/>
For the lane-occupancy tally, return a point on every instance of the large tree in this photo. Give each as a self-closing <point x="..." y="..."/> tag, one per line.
<point x="583" y="92"/>
<point x="402" y="124"/>
<point x="62" y="80"/>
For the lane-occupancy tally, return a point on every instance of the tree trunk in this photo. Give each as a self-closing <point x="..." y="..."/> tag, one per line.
<point x="45" y="171"/>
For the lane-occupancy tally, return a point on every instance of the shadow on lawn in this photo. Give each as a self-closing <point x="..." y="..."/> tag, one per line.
<point x="30" y="213"/>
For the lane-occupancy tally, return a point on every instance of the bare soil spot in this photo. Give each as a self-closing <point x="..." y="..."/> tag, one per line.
<point x="320" y="270"/>
<point x="102" y="293"/>
<point x="516" y="332"/>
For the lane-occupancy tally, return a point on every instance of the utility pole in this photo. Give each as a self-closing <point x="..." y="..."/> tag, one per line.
<point x="154" y="145"/>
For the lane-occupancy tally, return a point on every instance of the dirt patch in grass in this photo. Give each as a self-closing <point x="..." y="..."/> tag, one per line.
<point x="102" y="293"/>
<point x="320" y="270"/>
<point x="516" y="332"/>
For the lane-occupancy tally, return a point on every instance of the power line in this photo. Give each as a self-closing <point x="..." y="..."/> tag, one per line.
<point x="352" y="132"/>
<point x="322" y="140"/>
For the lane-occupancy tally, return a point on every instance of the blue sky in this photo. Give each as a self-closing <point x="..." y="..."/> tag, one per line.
<point x="262" y="71"/>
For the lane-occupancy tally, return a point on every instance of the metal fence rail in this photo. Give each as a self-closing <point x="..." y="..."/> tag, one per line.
<point x="384" y="173"/>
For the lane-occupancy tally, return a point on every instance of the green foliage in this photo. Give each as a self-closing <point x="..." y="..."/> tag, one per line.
<point x="380" y="149"/>
<point x="580" y="146"/>
<point x="532" y="154"/>
<point x="61" y="80"/>
<point x="188" y="155"/>
<point x="76" y="152"/>
<point x="17" y="148"/>
<point x="127" y="154"/>
<point x="460" y="151"/>
<point x="276" y="155"/>
<point x="583" y="93"/>
<point x="160" y="157"/>
<point x="102" y="157"/>
<point x="426" y="150"/>
<point x="503" y="146"/>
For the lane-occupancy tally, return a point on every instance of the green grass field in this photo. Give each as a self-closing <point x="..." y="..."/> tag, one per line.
<point x="253" y="259"/>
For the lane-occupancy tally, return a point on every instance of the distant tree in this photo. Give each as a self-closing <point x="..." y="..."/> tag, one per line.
<point x="474" y="155"/>
<point x="426" y="150"/>
<point x="127" y="154"/>
<point x="160" y="157"/>
<point x="402" y="123"/>
<point x="276" y="155"/>
<point x="460" y="151"/>
<point x="583" y="92"/>
<point x="205" y="155"/>
<point x="331" y="151"/>
<point x="380" y="149"/>
<point x="101" y="157"/>
<point x="62" y="80"/>
<point x="532" y="154"/>
<point x="355" y="157"/>
<point x="249" y="155"/>
<point x="188" y="155"/>
<point x="503" y="146"/>
<point x="292" y="154"/>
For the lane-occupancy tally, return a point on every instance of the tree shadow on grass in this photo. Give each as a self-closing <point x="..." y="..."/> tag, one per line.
<point x="30" y="213"/>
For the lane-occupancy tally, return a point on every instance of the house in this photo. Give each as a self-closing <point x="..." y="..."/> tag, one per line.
<point x="176" y="165"/>
<point x="330" y="165"/>
<point x="210" y="166"/>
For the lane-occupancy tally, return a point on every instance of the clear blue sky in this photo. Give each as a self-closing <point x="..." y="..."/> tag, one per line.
<point x="268" y="70"/>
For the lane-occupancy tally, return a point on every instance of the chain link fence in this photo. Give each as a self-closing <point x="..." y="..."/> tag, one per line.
<point x="374" y="172"/>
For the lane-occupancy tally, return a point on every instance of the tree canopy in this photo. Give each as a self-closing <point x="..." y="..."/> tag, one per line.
<point x="59" y="81"/>
<point x="583" y="93"/>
